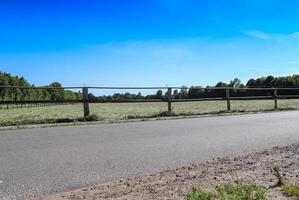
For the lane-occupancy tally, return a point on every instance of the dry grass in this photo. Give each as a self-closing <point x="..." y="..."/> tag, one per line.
<point x="122" y="111"/>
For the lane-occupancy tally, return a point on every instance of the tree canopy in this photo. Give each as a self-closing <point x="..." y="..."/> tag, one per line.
<point x="48" y="93"/>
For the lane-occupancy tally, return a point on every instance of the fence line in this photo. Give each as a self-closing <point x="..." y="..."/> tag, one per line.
<point x="169" y="97"/>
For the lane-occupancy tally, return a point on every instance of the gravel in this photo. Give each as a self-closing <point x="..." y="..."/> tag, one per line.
<point x="174" y="184"/>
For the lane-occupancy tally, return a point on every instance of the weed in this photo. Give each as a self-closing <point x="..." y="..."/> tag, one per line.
<point x="278" y="175"/>
<point x="235" y="191"/>
<point x="291" y="190"/>
<point x="199" y="194"/>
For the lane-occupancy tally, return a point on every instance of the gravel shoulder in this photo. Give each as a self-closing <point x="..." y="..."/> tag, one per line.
<point x="174" y="184"/>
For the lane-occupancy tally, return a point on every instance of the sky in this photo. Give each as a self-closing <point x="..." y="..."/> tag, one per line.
<point x="148" y="42"/>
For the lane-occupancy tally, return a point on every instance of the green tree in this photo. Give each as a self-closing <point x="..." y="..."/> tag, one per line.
<point x="159" y="94"/>
<point x="56" y="94"/>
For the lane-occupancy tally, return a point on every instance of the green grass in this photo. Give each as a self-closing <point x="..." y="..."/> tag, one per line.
<point x="235" y="191"/>
<point x="123" y="111"/>
<point x="291" y="190"/>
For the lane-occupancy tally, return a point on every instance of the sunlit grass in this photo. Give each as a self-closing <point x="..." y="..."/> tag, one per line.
<point x="121" y="111"/>
<point x="235" y="191"/>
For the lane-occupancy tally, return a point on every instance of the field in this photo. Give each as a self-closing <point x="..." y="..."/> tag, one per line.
<point x="123" y="111"/>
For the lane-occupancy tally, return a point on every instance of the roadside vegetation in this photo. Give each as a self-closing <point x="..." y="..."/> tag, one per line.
<point x="290" y="189"/>
<point x="245" y="191"/>
<point x="235" y="191"/>
<point x="110" y="112"/>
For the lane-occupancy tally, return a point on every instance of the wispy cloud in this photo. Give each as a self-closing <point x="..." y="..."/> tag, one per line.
<point x="157" y="49"/>
<point x="258" y="35"/>
<point x="295" y="35"/>
<point x="275" y="37"/>
<point x="293" y="62"/>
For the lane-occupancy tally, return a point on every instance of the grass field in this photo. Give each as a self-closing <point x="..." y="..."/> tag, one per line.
<point x="123" y="111"/>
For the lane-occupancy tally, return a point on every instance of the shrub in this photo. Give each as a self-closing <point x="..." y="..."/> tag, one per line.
<point x="64" y="120"/>
<point x="90" y="118"/>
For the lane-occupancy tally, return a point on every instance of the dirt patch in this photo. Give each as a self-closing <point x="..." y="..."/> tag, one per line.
<point x="175" y="184"/>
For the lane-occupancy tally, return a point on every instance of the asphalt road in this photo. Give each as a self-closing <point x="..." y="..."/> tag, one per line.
<point x="48" y="160"/>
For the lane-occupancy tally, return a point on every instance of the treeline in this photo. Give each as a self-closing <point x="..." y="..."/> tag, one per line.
<point x="236" y="84"/>
<point x="7" y="79"/>
<point x="209" y="92"/>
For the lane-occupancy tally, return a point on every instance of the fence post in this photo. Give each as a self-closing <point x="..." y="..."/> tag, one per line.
<point x="169" y="99"/>
<point x="16" y="97"/>
<point x="85" y="101"/>
<point x="228" y="100"/>
<point x="275" y="98"/>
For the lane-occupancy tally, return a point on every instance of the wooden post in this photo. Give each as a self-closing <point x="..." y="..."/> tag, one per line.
<point x="16" y="97"/>
<point x="275" y="99"/>
<point x="85" y="101"/>
<point x="169" y="99"/>
<point x="228" y="100"/>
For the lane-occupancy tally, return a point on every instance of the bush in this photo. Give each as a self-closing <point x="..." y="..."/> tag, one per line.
<point x="64" y="120"/>
<point x="90" y="118"/>
<point x="236" y="191"/>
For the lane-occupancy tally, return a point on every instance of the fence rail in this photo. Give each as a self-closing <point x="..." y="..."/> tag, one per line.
<point x="228" y="94"/>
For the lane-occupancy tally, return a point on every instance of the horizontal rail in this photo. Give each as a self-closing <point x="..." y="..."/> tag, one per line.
<point x="39" y="101"/>
<point x="134" y="88"/>
<point x="39" y="87"/>
<point x="148" y="88"/>
<point x="150" y="100"/>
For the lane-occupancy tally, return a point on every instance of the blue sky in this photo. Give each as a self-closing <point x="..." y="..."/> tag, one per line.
<point x="148" y="42"/>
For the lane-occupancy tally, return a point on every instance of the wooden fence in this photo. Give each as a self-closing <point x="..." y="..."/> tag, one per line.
<point x="271" y="94"/>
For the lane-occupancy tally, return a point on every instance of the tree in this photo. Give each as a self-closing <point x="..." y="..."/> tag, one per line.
<point x="184" y="92"/>
<point x="56" y="94"/>
<point x="159" y="94"/>
<point x="176" y="94"/>
<point x="3" y="82"/>
<point x="221" y="84"/>
<point x="236" y="83"/>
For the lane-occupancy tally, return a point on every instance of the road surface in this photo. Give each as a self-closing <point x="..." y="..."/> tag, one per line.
<point x="48" y="160"/>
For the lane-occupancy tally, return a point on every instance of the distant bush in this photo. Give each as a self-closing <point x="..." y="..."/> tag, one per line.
<point x="64" y="120"/>
<point x="90" y="118"/>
